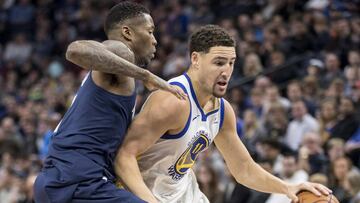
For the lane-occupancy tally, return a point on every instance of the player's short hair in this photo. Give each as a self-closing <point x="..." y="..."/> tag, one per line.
<point x="210" y="36"/>
<point x="121" y="12"/>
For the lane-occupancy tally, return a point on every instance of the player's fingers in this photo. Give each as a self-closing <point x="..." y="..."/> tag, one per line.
<point x="178" y="92"/>
<point x="175" y="92"/>
<point x="311" y="188"/>
<point x="293" y="198"/>
<point x="323" y="189"/>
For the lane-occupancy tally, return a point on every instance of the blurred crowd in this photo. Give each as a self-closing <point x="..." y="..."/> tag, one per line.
<point x="295" y="87"/>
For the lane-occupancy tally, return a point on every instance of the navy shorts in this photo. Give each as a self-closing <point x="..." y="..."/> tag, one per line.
<point x="48" y="190"/>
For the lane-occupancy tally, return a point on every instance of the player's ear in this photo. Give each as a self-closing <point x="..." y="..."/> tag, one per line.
<point x="126" y="32"/>
<point x="195" y="57"/>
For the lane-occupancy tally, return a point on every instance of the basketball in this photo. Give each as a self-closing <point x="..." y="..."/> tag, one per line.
<point x="309" y="197"/>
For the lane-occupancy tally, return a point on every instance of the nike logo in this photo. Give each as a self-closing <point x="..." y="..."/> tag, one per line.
<point x="195" y="117"/>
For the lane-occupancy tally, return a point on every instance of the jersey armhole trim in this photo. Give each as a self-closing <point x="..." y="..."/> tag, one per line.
<point x="222" y="112"/>
<point x="183" y="131"/>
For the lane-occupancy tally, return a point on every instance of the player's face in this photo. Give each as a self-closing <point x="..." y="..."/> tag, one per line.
<point x="216" y="68"/>
<point x="144" y="41"/>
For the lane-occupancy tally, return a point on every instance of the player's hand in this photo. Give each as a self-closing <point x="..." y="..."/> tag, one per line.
<point x="315" y="188"/>
<point x="154" y="82"/>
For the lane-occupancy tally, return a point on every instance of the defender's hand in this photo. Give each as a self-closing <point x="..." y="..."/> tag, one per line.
<point x="315" y="188"/>
<point x="154" y="82"/>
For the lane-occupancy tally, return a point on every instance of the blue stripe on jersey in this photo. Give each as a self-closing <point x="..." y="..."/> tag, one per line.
<point x="222" y="111"/>
<point x="203" y="115"/>
<point x="180" y="134"/>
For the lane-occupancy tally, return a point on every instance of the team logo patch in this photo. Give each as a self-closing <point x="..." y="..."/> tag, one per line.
<point x="188" y="158"/>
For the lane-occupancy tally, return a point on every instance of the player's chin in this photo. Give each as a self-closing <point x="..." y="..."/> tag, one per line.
<point x="219" y="92"/>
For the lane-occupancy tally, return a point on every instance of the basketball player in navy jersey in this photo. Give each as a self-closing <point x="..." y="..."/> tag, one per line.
<point x="79" y="165"/>
<point x="164" y="140"/>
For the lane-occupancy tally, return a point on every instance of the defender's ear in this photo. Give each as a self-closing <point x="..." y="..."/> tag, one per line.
<point x="126" y="32"/>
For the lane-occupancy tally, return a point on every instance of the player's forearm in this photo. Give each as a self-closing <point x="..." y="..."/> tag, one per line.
<point x="258" y="179"/>
<point x="94" y="55"/>
<point x="127" y="168"/>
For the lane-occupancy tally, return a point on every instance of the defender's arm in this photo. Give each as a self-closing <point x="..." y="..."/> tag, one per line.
<point x="112" y="57"/>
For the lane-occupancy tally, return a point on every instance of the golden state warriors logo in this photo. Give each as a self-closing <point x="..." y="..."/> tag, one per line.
<point x="188" y="158"/>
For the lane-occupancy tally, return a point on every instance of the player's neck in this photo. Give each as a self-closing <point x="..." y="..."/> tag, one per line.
<point x="201" y="95"/>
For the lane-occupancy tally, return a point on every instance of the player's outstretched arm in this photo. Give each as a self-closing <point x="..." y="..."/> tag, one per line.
<point x="244" y="168"/>
<point x="114" y="57"/>
<point x="161" y="113"/>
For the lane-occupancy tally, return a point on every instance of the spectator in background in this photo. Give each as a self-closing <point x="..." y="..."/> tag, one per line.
<point x="21" y="16"/>
<point x="340" y="167"/>
<point x="355" y="34"/>
<point x="311" y="156"/>
<point x="347" y="123"/>
<point x="272" y="96"/>
<point x="302" y="123"/>
<point x="352" y="147"/>
<point x="256" y="101"/>
<point x="335" y="149"/>
<point x="291" y="174"/>
<point x="18" y="50"/>
<point x="353" y="58"/>
<point x="51" y="121"/>
<point x="327" y="118"/>
<point x="275" y="122"/>
<point x="252" y="65"/>
<point x="251" y="134"/>
<point x="270" y="149"/>
<point x="319" y="178"/>
<point x="311" y="89"/>
<point x="262" y="83"/>
<point x="333" y="70"/>
<point x="352" y="185"/>
<point x="352" y="75"/>
<point x="209" y="183"/>
<point x="320" y="30"/>
<point x="295" y="93"/>
<point x="335" y="89"/>
<point x="314" y="68"/>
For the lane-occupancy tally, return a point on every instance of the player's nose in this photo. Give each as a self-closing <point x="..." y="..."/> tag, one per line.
<point x="154" y="41"/>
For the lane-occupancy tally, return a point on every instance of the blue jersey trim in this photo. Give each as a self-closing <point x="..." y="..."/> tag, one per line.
<point x="180" y="134"/>
<point x="203" y="115"/>
<point x="222" y="112"/>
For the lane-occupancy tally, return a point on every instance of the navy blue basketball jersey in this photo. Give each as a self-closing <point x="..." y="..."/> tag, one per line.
<point x="86" y="140"/>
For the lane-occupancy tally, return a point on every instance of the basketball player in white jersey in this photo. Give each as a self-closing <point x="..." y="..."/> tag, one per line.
<point x="168" y="134"/>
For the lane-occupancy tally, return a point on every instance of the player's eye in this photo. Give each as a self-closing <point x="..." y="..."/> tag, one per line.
<point x="219" y="63"/>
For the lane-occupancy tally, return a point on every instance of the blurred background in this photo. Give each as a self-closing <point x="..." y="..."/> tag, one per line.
<point x="295" y="87"/>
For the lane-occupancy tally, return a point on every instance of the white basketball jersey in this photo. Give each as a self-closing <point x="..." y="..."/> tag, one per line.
<point x="166" y="166"/>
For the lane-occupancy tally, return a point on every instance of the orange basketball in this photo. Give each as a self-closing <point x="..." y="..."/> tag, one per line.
<point x="309" y="197"/>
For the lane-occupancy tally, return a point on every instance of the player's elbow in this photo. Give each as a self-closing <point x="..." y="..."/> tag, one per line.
<point x="75" y="51"/>
<point x="72" y="51"/>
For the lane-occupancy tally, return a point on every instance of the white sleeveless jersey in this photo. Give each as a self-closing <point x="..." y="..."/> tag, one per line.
<point x="166" y="166"/>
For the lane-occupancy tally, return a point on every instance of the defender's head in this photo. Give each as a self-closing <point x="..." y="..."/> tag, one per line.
<point x="212" y="52"/>
<point x="131" y="23"/>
